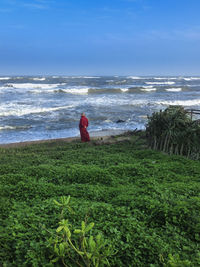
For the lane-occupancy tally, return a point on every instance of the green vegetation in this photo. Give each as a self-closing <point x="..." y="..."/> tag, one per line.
<point x="174" y="132"/>
<point x="143" y="206"/>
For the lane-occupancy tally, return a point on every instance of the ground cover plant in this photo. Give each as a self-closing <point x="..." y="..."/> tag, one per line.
<point x="143" y="204"/>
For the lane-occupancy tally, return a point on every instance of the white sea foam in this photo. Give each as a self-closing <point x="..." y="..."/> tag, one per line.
<point x="148" y="89"/>
<point x="7" y="127"/>
<point x="194" y="102"/>
<point x="28" y="110"/>
<point x="174" y="89"/>
<point x="147" y="86"/>
<point x="114" y="101"/>
<point x="124" y="89"/>
<point x="38" y="79"/>
<point x="76" y="91"/>
<point x="91" y="77"/>
<point x="143" y="116"/>
<point x="33" y="85"/>
<point x="82" y="77"/>
<point x="160" y="83"/>
<point x="121" y="82"/>
<point x="191" y="78"/>
<point x="5" y="78"/>
<point x="41" y="91"/>
<point x="187" y="79"/>
<point x="165" y="78"/>
<point x="134" y="77"/>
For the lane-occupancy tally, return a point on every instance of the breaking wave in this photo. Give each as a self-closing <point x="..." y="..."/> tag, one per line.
<point x="7" y="127"/>
<point x="82" y="91"/>
<point x="173" y="89"/>
<point x="32" y="85"/>
<point x="181" y="102"/>
<point x="38" y="79"/>
<point x="160" y="83"/>
<point x="5" y="78"/>
<point x="134" y="77"/>
<point x="191" y="79"/>
<point x="28" y="111"/>
<point x="148" y="89"/>
<point x="79" y="77"/>
<point x="164" y="78"/>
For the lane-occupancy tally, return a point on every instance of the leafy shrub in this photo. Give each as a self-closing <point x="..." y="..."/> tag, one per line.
<point x="174" y="132"/>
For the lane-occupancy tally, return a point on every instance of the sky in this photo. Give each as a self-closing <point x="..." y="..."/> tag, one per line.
<point x="99" y="37"/>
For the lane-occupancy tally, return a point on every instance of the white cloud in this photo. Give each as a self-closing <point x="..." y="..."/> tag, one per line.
<point x="35" y="5"/>
<point x="31" y="4"/>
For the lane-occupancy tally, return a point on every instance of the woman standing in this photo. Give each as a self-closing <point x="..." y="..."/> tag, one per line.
<point x="83" y="124"/>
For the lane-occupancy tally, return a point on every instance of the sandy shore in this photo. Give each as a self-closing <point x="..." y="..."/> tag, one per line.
<point x="95" y="136"/>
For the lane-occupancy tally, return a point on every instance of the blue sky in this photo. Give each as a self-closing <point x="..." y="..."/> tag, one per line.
<point x="104" y="37"/>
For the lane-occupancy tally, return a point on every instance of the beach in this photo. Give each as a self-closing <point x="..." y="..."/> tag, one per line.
<point x="101" y="137"/>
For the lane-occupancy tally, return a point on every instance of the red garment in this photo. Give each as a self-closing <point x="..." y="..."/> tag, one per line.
<point x="83" y="124"/>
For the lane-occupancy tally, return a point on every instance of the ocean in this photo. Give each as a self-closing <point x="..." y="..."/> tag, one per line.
<point x="39" y="108"/>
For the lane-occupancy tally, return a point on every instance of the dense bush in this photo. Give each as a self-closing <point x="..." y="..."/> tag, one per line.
<point x="144" y="202"/>
<point x="174" y="132"/>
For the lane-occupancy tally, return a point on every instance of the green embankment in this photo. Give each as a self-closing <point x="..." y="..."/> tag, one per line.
<point x="144" y="202"/>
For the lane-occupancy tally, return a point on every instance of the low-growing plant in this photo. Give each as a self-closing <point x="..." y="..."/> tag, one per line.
<point x="78" y="246"/>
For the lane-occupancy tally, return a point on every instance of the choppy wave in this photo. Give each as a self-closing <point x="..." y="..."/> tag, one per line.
<point x="27" y="111"/>
<point x="194" y="102"/>
<point x="82" y="91"/>
<point x="124" y="90"/>
<point x="148" y="89"/>
<point x="8" y="127"/>
<point x="90" y="77"/>
<point x="160" y="83"/>
<point x="173" y="89"/>
<point x="147" y="86"/>
<point x="165" y="78"/>
<point x="76" y="91"/>
<point x="32" y="85"/>
<point x="5" y="78"/>
<point x="38" y="79"/>
<point x="134" y="77"/>
<point x="80" y="77"/>
<point x="191" y="78"/>
<point x="121" y="82"/>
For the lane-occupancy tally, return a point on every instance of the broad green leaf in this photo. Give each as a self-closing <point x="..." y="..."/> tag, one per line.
<point x="57" y="203"/>
<point x="83" y="226"/>
<point x="77" y="231"/>
<point x="68" y="199"/>
<point x="67" y="231"/>
<point x="89" y="227"/>
<point x="60" y="228"/>
<point x="54" y="260"/>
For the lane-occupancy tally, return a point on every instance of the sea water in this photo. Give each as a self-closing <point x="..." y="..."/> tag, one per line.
<point x="38" y="108"/>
